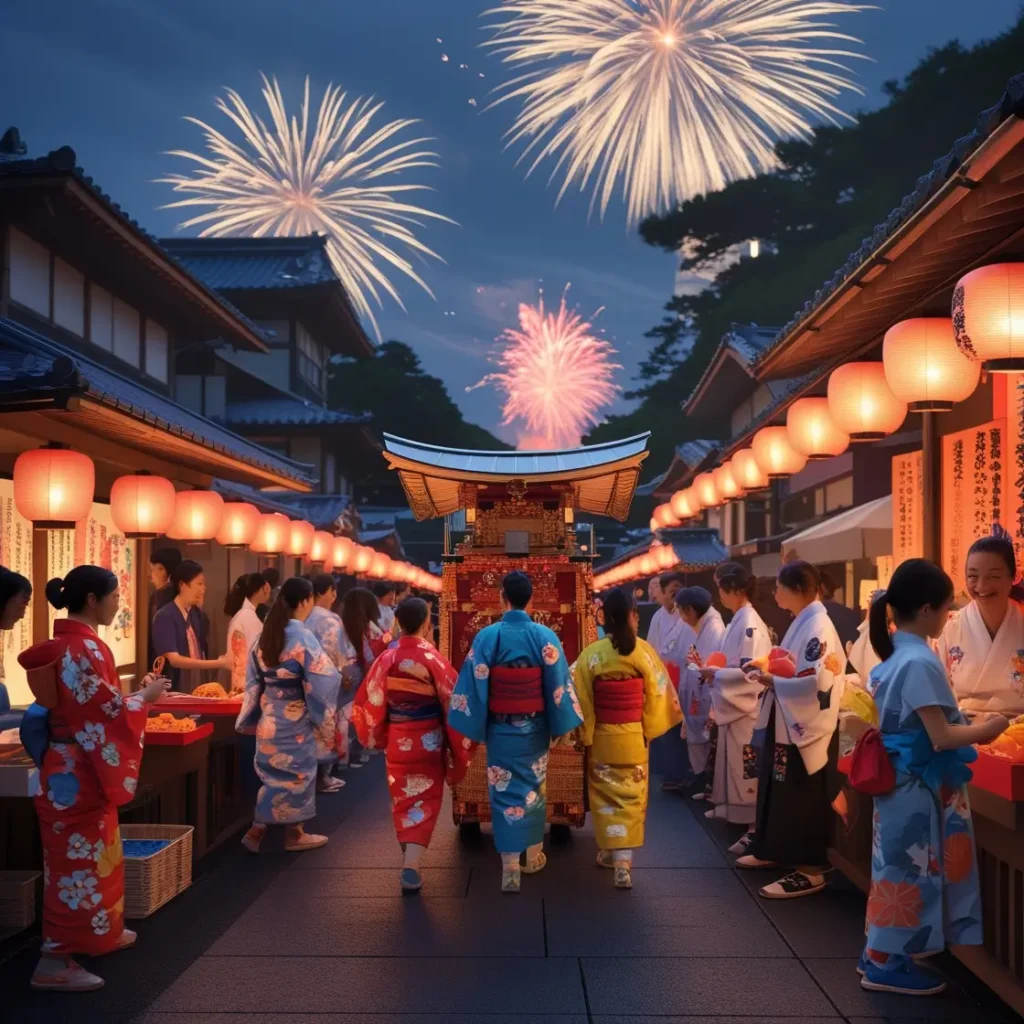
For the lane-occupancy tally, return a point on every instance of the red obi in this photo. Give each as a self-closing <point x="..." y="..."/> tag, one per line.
<point x="673" y="674"/>
<point x="617" y="701"/>
<point x="515" y="691"/>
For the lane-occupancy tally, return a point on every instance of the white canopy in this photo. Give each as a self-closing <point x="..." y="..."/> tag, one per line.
<point x="861" y="532"/>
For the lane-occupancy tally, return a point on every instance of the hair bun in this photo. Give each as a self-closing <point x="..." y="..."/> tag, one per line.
<point x="55" y="593"/>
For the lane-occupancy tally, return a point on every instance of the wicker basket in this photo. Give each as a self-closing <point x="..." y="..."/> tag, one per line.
<point x="150" y="882"/>
<point x="17" y="899"/>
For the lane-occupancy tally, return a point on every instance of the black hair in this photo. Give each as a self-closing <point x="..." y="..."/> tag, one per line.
<point x="518" y="589"/>
<point x="403" y="587"/>
<point x="12" y="584"/>
<point x="826" y="584"/>
<point x="169" y="558"/>
<point x="619" y="604"/>
<point x="73" y="591"/>
<point x="292" y="594"/>
<point x="272" y="575"/>
<point x="999" y="544"/>
<point x="184" y="572"/>
<point x="734" y="578"/>
<point x="382" y="588"/>
<point x="358" y="611"/>
<point x="322" y="583"/>
<point x="411" y="614"/>
<point x="696" y="598"/>
<point x="671" y="577"/>
<point x="246" y="587"/>
<point x="916" y="584"/>
<point x="801" y="577"/>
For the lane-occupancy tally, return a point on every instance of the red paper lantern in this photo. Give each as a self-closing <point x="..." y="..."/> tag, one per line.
<point x="362" y="560"/>
<point x="300" y="538"/>
<point x="322" y="548"/>
<point x="747" y="473"/>
<point x="666" y="557"/>
<point x="197" y="516"/>
<point x="380" y="566"/>
<point x="862" y="403"/>
<point x="238" y="525"/>
<point x="142" y="506"/>
<point x="812" y="431"/>
<point x="272" y="534"/>
<point x="664" y="516"/>
<point x="925" y="368"/>
<point x="988" y="315"/>
<point x="343" y="552"/>
<point x="682" y="505"/>
<point x="726" y="484"/>
<point x="54" y="487"/>
<point x="775" y="455"/>
<point x="705" y="490"/>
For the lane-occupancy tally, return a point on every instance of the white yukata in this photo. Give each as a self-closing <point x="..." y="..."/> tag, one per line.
<point x="671" y="638"/>
<point x="986" y="673"/>
<point x="244" y="630"/>
<point x="664" y="629"/>
<point x="694" y="692"/>
<point x="736" y="700"/>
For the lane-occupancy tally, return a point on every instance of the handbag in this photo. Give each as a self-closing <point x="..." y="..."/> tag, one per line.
<point x="871" y="770"/>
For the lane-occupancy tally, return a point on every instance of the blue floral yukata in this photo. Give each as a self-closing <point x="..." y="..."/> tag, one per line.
<point x="924" y="872"/>
<point x="517" y="742"/>
<point x="293" y="710"/>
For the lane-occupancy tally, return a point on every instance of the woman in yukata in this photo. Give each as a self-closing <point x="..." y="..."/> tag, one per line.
<point x="90" y="767"/>
<point x="735" y="701"/>
<point x="245" y="626"/>
<point x="982" y="646"/>
<point x="627" y="700"/>
<point x="797" y="739"/>
<point x="924" y="875"/>
<point x="326" y="626"/>
<point x="364" y="641"/>
<point x="290" y="703"/>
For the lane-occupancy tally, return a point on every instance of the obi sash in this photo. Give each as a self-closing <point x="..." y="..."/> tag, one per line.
<point x="618" y="701"/>
<point x="411" y="699"/>
<point x="515" y="691"/>
<point x="912" y="754"/>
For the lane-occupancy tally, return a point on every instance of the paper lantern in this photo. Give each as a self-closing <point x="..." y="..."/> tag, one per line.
<point x="343" y="551"/>
<point x="666" y="557"/>
<point x="654" y="525"/>
<point x="300" y="538"/>
<point x="682" y="506"/>
<point x="812" y="431"/>
<point x="142" y="506"/>
<point x="988" y="316"/>
<point x="774" y="454"/>
<point x="925" y="368"/>
<point x="705" y="490"/>
<point x="362" y="560"/>
<point x="648" y="565"/>
<point x="272" y="534"/>
<point x="54" y="486"/>
<point x="238" y="524"/>
<point x="747" y="473"/>
<point x="322" y="548"/>
<point x="380" y="566"/>
<point x="664" y="516"/>
<point x="862" y="403"/>
<point x="197" y="516"/>
<point x="726" y="484"/>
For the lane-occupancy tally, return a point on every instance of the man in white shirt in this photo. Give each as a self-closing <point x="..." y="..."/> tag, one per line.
<point x="666" y="625"/>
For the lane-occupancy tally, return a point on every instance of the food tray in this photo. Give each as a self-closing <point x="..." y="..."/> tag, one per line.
<point x="150" y="882"/>
<point x="179" y="739"/>
<point x="189" y="705"/>
<point x="999" y="776"/>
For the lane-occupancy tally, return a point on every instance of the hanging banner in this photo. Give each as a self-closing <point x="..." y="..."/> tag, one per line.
<point x="16" y="555"/>
<point x="907" y="507"/>
<point x="1013" y="485"/>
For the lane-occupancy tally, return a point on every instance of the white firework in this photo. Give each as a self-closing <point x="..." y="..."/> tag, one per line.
<point x="672" y="98"/>
<point x="334" y="177"/>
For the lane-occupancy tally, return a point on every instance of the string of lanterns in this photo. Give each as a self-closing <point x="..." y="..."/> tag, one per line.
<point x="54" y="489"/>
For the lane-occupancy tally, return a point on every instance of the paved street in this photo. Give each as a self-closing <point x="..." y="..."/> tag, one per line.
<point x="326" y="938"/>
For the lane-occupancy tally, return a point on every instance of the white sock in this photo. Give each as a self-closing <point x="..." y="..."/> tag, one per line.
<point x="622" y="856"/>
<point x="414" y="855"/>
<point x="510" y="861"/>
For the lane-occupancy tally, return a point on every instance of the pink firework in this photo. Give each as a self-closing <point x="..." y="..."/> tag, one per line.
<point x="556" y="376"/>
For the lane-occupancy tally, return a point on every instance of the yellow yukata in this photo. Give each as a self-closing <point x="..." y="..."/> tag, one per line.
<point x="627" y="701"/>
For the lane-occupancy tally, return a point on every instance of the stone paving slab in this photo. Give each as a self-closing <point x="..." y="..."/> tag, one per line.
<point x="582" y="882"/>
<point x="369" y="883"/>
<point x="371" y="1018"/>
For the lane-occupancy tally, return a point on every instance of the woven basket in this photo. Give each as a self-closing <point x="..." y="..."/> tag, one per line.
<point x="17" y="899"/>
<point x="150" y="882"/>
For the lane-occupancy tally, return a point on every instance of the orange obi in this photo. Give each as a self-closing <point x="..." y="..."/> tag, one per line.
<point x="673" y="674"/>
<point x="618" y="701"/>
<point x="515" y="691"/>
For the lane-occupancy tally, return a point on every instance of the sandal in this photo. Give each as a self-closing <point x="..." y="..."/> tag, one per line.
<point x="623" y="876"/>
<point x="604" y="859"/>
<point x="511" y="880"/>
<point x="793" y="886"/>
<point x="533" y="866"/>
<point x="252" y="839"/>
<point x="298" y="840"/>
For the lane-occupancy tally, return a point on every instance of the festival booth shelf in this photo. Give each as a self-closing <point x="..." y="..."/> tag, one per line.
<point x="519" y="510"/>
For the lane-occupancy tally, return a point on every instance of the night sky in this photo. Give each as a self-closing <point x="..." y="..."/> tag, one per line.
<point x="113" y="79"/>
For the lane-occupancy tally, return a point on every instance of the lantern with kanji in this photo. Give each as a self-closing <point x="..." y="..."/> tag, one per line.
<point x="747" y="473"/>
<point x="272" y="534"/>
<point x="321" y="550"/>
<point x="300" y="538"/>
<point x="775" y="455"/>
<point x="238" y="524"/>
<point x="197" y="516"/>
<point x="988" y="316"/>
<point x="54" y="486"/>
<point x="925" y="368"/>
<point x="862" y="403"/>
<point x="812" y="431"/>
<point x="142" y="506"/>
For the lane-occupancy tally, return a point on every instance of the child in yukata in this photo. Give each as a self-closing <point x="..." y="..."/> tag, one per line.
<point x="924" y="873"/>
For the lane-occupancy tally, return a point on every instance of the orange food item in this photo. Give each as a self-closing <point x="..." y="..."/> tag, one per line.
<point x="781" y="667"/>
<point x="214" y="690"/>
<point x="166" y="722"/>
<point x="716" y="660"/>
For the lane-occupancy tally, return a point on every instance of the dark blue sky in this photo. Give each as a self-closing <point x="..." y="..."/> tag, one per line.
<point x="113" y="79"/>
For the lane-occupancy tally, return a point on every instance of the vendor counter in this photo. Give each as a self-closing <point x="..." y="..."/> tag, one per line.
<point x="997" y="806"/>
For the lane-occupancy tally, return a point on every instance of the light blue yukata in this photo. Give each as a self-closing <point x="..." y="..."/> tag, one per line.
<point x="292" y="709"/>
<point x="924" y="872"/>
<point x="517" y="744"/>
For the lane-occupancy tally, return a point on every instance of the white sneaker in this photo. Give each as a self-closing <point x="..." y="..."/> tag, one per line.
<point x="64" y="976"/>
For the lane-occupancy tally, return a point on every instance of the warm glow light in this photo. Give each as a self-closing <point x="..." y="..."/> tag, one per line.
<point x="665" y="517"/>
<point x="322" y="548"/>
<point x="812" y="431"/>
<point x="705" y="490"/>
<point x="775" y="455"/>
<point x="380" y="566"/>
<point x="747" y="472"/>
<point x="142" y="506"/>
<point x="197" y="516"/>
<point x="682" y="505"/>
<point x="343" y="552"/>
<point x="924" y="366"/>
<point x="648" y="565"/>
<point x="54" y="487"/>
<point x="755" y="248"/>
<point x="725" y="483"/>
<point x="300" y="538"/>
<point x="861" y="402"/>
<point x="988" y="316"/>
<point x="238" y="525"/>
<point x="666" y="557"/>
<point x="362" y="560"/>
<point x="272" y="534"/>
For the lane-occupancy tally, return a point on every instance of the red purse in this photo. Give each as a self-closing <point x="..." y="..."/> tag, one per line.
<point x="871" y="770"/>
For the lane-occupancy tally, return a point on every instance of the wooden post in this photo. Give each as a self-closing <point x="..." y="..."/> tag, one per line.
<point x="931" y="487"/>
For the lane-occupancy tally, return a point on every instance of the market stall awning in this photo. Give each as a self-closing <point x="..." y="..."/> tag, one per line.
<point x="603" y="476"/>
<point x="861" y="532"/>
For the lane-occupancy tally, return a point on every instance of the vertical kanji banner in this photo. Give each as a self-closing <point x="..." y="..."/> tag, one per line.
<point x="907" y="507"/>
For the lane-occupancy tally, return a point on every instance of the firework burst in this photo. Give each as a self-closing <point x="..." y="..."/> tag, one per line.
<point x="334" y="177"/>
<point x="672" y="98"/>
<point x="555" y="374"/>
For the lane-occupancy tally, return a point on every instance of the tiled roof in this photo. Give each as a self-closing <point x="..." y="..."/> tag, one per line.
<point x="30" y="362"/>
<point x="693" y="453"/>
<point x="290" y="411"/>
<point x="745" y="342"/>
<point x="324" y="511"/>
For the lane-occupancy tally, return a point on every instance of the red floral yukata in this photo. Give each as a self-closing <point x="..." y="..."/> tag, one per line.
<point x="402" y="708"/>
<point x="90" y="768"/>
